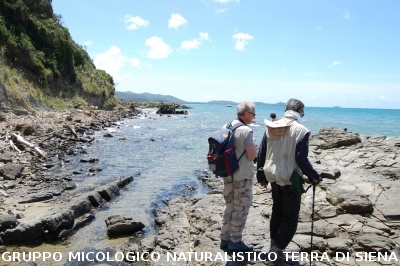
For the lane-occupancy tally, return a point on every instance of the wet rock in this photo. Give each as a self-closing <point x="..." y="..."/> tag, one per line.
<point x="70" y="186"/>
<point x="120" y="226"/>
<point x="40" y="196"/>
<point x="79" y="223"/>
<point x="108" y="135"/>
<point x="80" y="205"/>
<point x="11" y="171"/>
<point x="108" y="192"/>
<point x="59" y="220"/>
<point x="95" y="169"/>
<point x="95" y="199"/>
<point x="23" y="233"/>
<point x="89" y="160"/>
<point x="7" y="221"/>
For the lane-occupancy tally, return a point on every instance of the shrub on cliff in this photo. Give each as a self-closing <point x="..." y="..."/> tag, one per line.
<point x="35" y="45"/>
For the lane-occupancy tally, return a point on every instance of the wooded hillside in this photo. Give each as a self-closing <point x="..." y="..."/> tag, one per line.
<point x="41" y="65"/>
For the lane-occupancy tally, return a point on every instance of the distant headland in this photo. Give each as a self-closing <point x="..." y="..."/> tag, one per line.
<point x="148" y="97"/>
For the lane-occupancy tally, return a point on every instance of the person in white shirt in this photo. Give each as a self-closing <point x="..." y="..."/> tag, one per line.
<point x="278" y="156"/>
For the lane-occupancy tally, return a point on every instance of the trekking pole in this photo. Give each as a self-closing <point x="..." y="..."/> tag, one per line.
<point x="312" y="218"/>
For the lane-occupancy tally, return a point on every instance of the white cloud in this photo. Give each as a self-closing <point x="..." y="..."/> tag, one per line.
<point x="176" y="20"/>
<point x="111" y="61"/>
<point x="195" y="43"/>
<point x="336" y="63"/>
<point x="204" y="36"/>
<point x="346" y="14"/>
<point x="241" y="40"/>
<point x="133" y="23"/>
<point x="158" y="49"/>
<point x="135" y="63"/>
<point x="189" y="45"/>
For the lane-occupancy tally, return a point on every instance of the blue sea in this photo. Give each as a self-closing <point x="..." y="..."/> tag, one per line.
<point x="166" y="153"/>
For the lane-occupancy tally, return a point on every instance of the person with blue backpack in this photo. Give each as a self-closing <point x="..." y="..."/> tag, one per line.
<point x="238" y="187"/>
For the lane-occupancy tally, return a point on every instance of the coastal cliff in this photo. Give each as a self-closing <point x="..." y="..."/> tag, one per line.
<point x="42" y="66"/>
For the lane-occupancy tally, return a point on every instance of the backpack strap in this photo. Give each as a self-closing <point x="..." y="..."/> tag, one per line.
<point x="232" y="128"/>
<point x="229" y="126"/>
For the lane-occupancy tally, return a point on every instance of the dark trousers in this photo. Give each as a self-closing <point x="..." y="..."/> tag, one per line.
<point x="285" y="214"/>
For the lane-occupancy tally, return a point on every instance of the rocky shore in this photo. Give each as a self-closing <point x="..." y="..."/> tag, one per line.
<point x="37" y="204"/>
<point x="356" y="210"/>
<point x="356" y="220"/>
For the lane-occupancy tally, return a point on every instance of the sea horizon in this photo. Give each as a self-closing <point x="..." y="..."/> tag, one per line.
<point x="283" y="104"/>
<point x="365" y="121"/>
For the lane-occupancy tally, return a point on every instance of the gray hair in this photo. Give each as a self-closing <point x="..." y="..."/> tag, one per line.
<point x="244" y="107"/>
<point x="294" y="104"/>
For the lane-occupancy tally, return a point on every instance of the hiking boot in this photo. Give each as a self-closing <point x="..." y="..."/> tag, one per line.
<point x="239" y="246"/>
<point x="279" y="253"/>
<point x="281" y="258"/>
<point x="264" y="258"/>
<point x="224" y="244"/>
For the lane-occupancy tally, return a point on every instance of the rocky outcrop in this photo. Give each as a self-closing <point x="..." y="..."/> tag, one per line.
<point x="356" y="207"/>
<point x="171" y="108"/>
<point x="61" y="220"/>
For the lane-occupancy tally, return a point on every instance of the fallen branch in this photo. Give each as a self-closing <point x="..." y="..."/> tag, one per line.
<point x="22" y="141"/>
<point x="72" y="130"/>
<point x="77" y="139"/>
<point x="13" y="146"/>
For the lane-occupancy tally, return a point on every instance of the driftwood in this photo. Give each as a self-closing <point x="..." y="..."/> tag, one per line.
<point x="21" y="140"/>
<point x="72" y="130"/>
<point x="12" y="145"/>
<point x="76" y="139"/>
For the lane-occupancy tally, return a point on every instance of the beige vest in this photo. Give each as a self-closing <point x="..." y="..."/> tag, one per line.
<point x="246" y="167"/>
<point x="280" y="155"/>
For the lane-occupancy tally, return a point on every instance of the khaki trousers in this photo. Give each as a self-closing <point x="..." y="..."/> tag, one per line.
<point x="238" y="199"/>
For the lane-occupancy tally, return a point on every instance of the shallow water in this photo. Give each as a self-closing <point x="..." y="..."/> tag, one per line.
<point x="161" y="152"/>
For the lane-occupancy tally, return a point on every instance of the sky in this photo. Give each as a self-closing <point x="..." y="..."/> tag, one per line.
<point x="323" y="52"/>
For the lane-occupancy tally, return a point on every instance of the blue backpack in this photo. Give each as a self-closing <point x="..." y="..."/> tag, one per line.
<point x="221" y="156"/>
